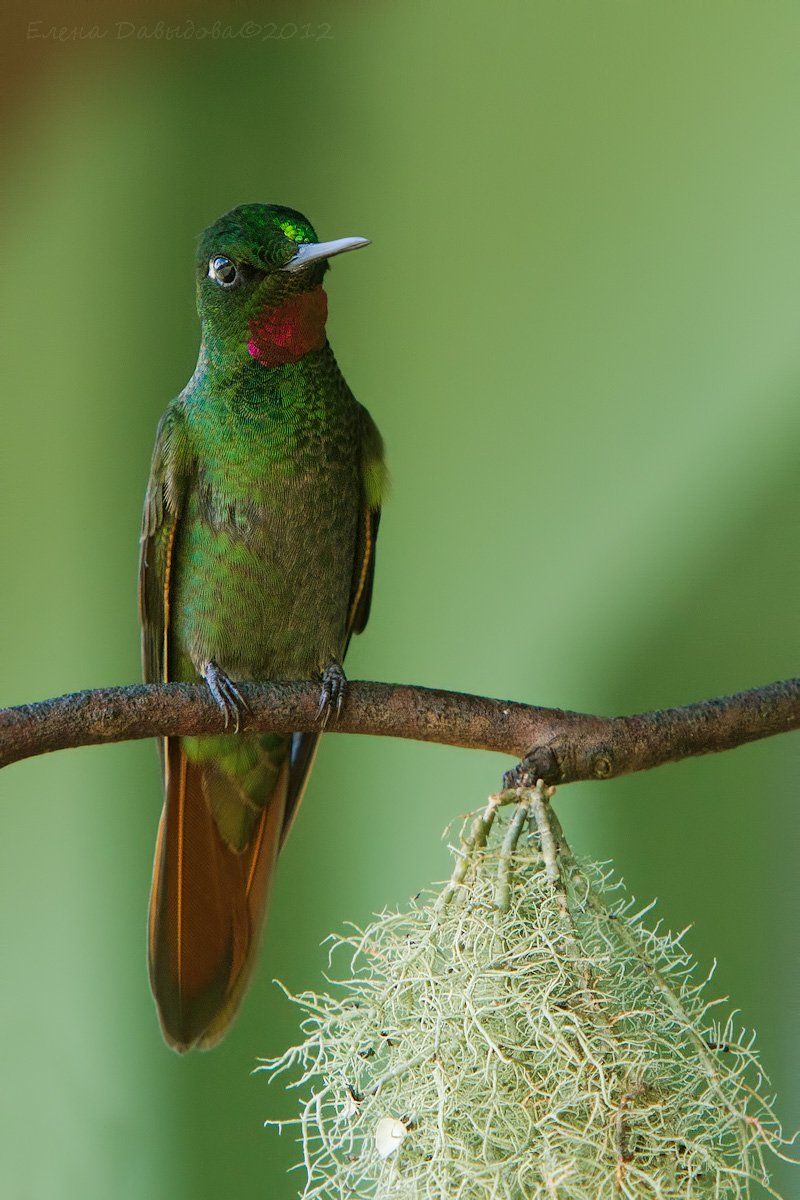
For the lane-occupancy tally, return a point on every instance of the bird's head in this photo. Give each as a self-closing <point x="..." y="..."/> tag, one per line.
<point x="259" y="282"/>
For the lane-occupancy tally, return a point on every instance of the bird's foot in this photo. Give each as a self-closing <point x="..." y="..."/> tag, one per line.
<point x="332" y="692"/>
<point x="225" y="693"/>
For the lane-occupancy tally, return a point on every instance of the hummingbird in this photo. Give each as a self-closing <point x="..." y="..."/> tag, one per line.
<point x="257" y="562"/>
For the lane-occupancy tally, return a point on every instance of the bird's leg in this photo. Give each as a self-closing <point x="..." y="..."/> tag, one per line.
<point x="225" y="692"/>
<point x="332" y="692"/>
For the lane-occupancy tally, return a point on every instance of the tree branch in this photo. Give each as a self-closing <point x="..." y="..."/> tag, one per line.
<point x="554" y="745"/>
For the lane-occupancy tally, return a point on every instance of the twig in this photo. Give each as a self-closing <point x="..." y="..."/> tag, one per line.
<point x="554" y="846"/>
<point x="470" y="842"/>
<point x="502" y="890"/>
<point x="554" y="745"/>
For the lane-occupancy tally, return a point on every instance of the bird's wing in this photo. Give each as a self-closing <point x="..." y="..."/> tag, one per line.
<point x="374" y="480"/>
<point x="374" y="483"/>
<point x="364" y="572"/>
<point x="162" y="506"/>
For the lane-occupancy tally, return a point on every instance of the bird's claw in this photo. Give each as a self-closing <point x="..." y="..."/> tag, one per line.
<point x="332" y="692"/>
<point x="226" y="694"/>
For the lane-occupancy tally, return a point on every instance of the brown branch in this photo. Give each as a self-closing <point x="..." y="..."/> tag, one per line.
<point x="557" y="746"/>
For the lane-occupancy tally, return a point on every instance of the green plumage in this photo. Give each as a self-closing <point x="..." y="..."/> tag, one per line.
<point x="258" y="537"/>
<point x="271" y="518"/>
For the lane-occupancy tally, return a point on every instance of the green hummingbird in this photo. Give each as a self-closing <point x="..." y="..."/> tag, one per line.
<point x="257" y="561"/>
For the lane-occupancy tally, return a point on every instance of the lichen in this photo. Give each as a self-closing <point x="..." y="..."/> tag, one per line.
<point x="523" y="1035"/>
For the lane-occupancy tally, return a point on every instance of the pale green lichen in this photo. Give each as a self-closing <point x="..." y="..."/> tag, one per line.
<point x="523" y="1036"/>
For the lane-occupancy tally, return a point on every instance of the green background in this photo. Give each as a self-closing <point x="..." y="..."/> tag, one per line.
<point x="578" y="329"/>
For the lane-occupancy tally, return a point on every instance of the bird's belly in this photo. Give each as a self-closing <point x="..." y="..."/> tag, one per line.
<point x="265" y="592"/>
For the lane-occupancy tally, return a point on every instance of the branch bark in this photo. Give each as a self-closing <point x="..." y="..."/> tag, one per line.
<point x="554" y="745"/>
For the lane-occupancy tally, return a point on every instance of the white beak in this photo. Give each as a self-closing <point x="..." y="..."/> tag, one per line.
<point x="312" y="252"/>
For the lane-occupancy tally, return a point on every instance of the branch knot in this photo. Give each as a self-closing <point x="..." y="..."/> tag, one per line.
<point x="602" y="764"/>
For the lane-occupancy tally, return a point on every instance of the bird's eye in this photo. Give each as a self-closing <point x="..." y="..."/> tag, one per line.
<point x="222" y="271"/>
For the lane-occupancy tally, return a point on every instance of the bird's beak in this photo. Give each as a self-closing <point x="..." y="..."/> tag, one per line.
<point x="312" y="252"/>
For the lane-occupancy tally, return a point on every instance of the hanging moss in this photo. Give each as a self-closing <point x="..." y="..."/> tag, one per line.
<point x="522" y="1035"/>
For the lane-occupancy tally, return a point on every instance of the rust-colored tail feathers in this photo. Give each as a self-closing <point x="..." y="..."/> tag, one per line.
<point x="207" y="905"/>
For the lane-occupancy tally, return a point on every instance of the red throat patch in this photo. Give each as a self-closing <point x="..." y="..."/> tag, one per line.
<point x="284" y="334"/>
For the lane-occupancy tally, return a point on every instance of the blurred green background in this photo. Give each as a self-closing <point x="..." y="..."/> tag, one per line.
<point x="578" y="329"/>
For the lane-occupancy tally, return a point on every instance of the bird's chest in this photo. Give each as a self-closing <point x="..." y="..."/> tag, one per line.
<point x="284" y="492"/>
<point x="266" y="561"/>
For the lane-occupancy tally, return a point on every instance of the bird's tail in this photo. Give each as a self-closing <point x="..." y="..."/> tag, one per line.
<point x="220" y="831"/>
